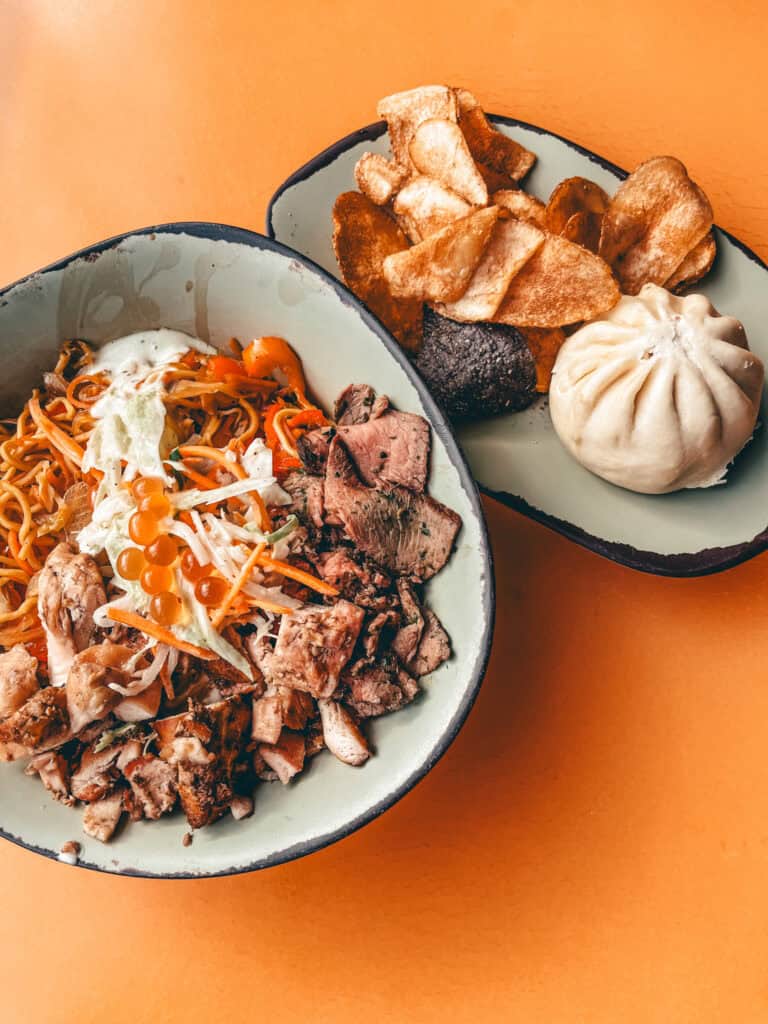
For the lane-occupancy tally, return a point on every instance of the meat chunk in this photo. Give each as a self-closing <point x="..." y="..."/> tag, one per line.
<point x="70" y="589"/>
<point x="54" y="775"/>
<point x="286" y="757"/>
<point x="341" y="733"/>
<point x="406" y="641"/>
<point x="40" y="724"/>
<point x="143" y="706"/>
<point x="229" y="680"/>
<point x="408" y="533"/>
<point x="153" y="785"/>
<point x="383" y="622"/>
<point x="313" y="449"/>
<point x="18" y="679"/>
<point x="354" y="404"/>
<point x="313" y="646"/>
<point x="434" y="646"/>
<point x="89" y="696"/>
<point x="357" y="579"/>
<point x="376" y="688"/>
<point x="307" y="497"/>
<point x="241" y="807"/>
<point x="390" y="449"/>
<point x="99" y="772"/>
<point x="280" y="707"/>
<point x="205" y="744"/>
<point x="101" y="818"/>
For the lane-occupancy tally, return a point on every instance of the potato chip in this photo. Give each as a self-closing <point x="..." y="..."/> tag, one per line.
<point x="655" y="219"/>
<point x="405" y="111"/>
<point x="502" y="161"/>
<point x="438" y="149"/>
<point x="544" y="343"/>
<point x="379" y="178"/>
<point x="440" y="268"/>
<point x="512" y="244"/>
<point x="522" y="205"/>
<point x="574" y="195"/>
<point x="561" y="284"/>
<point x="696" y="264"/>
<point x="424" y="207"/>
<point x="575" y="210"/>
<point x="363" y="236"/>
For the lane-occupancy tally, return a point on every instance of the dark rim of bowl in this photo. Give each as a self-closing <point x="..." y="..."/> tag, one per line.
<point x="226" y="233"/>
<point x="683" y="565"/>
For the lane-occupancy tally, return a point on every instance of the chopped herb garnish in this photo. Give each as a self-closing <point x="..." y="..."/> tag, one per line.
<point x="109" y="736"/>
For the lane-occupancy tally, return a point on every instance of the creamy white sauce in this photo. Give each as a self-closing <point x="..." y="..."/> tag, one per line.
<point x="139" y="353"/>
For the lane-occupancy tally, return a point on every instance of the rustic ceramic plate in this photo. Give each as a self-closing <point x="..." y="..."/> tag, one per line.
<point x="518" y="458"/>
<point x="217" y="282"/>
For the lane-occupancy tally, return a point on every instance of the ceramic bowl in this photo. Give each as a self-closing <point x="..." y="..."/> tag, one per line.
<point x="517" y="457"/>
<point x="217" y="282"/>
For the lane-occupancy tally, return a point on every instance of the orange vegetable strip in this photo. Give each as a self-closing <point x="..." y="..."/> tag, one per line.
<point x="13" y="544"/>
<point x="204" y="451"/>
<point x="285" y="569"/>
<point x="218" y="617"/>
<point x="55" y="434"/>
<point x="165" y="636"/>
<point x="202" y="481"/>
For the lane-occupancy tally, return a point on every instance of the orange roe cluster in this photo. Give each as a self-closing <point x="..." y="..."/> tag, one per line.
<point x="152" y="562"/>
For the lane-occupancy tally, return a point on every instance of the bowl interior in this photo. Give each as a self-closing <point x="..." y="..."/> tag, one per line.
<point x="217" y="283"/>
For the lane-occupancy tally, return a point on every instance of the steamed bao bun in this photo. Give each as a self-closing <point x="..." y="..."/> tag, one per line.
<point x="660" y="394"/>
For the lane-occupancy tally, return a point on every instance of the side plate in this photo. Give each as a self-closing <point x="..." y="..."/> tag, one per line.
<point x="517" y="458"/>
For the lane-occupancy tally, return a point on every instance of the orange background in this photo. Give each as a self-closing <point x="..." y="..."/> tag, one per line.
<point x="594" y="847"/>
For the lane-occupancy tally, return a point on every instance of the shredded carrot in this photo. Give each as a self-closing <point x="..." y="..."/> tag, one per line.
<point x="285" y="569"/>
<point x="157" y="632"/>
<point x="13" y="544"/>
<point x="237" y="586"/>
<point x="202" y="481"/>
<point x="61" y="441"/>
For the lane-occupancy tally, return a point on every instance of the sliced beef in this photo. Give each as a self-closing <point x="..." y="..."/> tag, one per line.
<point x="434" y="647"/>
<point x="40" y="724"/>
<point x="381" y="623"/>
<point x="313" y="646"/>
<point x="390" y="449"/>
<point x="342" y="734"/>
<point x="313" y="449"/>
<point x="307" y="497"/>
<point x="18" y="679"/>
<point x="406" y="640"/>
<point x="357" y="579"/>
<point x="376" y="687"/>
<point x="410" y="534"/>
<point x="101" y="818"/>
<point x="153" y="785"/>
<point x="354" y="404"/>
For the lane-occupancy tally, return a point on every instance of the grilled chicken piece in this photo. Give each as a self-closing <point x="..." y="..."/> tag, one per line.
<point x="18" y="679"/>
<point x="70" y="589"/>
<point x="54" y="774"/>
<point x="101" y="818"/>
<point x="286" y="757"/>
<point x="99" y="773"/>
<point x="280" y="706"/>
<point x="89" y="696"/>
<point x="241" y="807"/>
<point x="141" y="707"/>
<point x="153" y="785"/>
<point x="314" y="644"/>
<point x="342" y="736"/>
<point x="40" y="724"/>
<point x="204" y="745"/>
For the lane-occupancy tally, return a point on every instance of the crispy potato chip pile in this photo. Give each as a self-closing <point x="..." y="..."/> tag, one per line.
<point x="445" y="222"/>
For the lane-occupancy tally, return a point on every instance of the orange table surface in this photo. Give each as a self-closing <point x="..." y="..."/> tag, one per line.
<point x="594" y="846"/>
